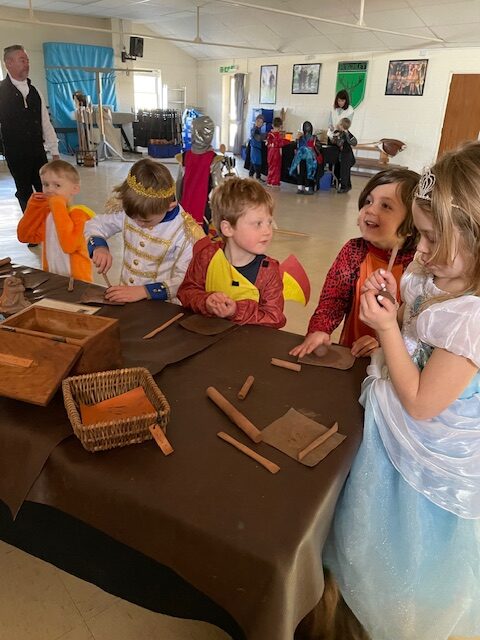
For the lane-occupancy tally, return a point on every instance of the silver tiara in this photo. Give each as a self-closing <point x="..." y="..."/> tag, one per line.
<point x="425" y="187"/>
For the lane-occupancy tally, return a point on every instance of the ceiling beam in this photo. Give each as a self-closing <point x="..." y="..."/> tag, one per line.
<point x="33" y="21"/>
<point x="352" y="25"/>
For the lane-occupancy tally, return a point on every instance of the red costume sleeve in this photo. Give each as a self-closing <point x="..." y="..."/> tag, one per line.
<point x="69" y="224"/>
<point x="339" y="287"/>
<point x="31" y="227"/>
<point x="268" y="311"/>
<point x="191" y="292"/>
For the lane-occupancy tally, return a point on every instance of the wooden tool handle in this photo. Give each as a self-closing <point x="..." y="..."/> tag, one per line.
<point x="317" y="442"/>
<point x="161" y="439"/>
<point x="242" y="394"/>
<point x="71" y="282"/>
<point x="268" y="464"/>
<point x="234" y="414"/>
<point x="393" y="255"/>
<point x="162" y="326"/>
<point x="293" y="366"/>
<point x="107" y="281"/>
<point x="40" y="334"/>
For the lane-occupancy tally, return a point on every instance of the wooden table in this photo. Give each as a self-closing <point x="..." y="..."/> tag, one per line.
<point x="250" y="541"/>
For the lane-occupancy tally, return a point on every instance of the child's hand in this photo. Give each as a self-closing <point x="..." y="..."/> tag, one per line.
<point x="102" y="259"/>
<point x="311" y="342"/>
<point x="378" y="313"/>
<point x="219" y="304"/>
<point x="380" y="280"/>
<point x="364" y="346"/>
<point x="39" y="196"/>
<point x="121" y="293"/>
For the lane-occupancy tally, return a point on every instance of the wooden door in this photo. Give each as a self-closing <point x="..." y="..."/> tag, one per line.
<point x="462" y="116"/>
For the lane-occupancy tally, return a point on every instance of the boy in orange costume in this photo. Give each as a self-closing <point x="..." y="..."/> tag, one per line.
<point x="51" y="219"/>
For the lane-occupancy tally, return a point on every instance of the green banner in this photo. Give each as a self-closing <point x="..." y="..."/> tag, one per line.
<point x="352" y="76"/>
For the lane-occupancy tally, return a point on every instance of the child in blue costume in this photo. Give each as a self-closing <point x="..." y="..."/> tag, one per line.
<point x="405" y="543"/>
<point x="257" y="140"/>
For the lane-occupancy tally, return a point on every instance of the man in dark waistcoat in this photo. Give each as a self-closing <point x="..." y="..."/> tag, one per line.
<point x="25" y="125"/>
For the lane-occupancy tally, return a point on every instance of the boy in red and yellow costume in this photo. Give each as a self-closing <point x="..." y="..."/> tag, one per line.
<point x="233" y="278"/>
<point x="51" y="219"/>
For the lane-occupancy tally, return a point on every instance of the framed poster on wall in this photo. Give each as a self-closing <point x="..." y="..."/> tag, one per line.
<point x="268" y="83"/>
<point x="305" y="78"/>
<point x="406" y="77"/>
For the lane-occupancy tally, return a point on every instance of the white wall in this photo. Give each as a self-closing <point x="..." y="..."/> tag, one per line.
<point x="178" y="68"/>
<point x="416" y="120"/>
<point x="32" y="37"/>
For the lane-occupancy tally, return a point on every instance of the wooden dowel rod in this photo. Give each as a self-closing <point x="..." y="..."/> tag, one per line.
<point x="242" y="394"/>
<point x="162" y="326"/>
<point x="5" y="261"/>
<point x="293" y="233"/>
<point x="40" y="334"/>
<point x="293" y="366"/>
<point x="393" y="255"/>
<point x="317" y="442"/>
<point x="71" y="282"/>
<point x="268" y="464"/>
<point x="107" y="281"/>
<point x="161" y="439"/>
<point x="234" y="414"/>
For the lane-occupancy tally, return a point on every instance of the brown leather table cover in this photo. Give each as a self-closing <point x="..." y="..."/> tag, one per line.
<point x="250" y="540"/>
<point x="30" y="433"/>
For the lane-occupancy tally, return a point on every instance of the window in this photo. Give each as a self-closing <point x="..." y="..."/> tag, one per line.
<point x="148" y="93"/>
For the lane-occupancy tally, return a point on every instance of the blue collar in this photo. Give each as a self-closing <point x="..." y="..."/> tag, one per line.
<point x="170" y="215"/>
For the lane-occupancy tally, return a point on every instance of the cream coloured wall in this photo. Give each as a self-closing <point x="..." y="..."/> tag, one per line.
<point x="32" y="36"/>
<point x="178" y="68"/>
<point x="413" y="119"/>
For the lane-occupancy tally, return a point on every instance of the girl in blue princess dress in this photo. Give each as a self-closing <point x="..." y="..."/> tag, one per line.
<point x="405" y="543"/>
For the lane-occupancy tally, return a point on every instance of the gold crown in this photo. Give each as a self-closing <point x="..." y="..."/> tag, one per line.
<point x="149" y="192"/>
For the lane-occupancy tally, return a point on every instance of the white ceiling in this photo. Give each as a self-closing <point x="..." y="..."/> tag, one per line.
<point x="456" y="23"/>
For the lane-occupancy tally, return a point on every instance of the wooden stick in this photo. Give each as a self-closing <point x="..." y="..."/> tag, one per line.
<point x="317" y="442"/>
<point x="293" y="366"/>
<point x="393" y="255"/>
<point x="287" y="232"/>
<point x="107" y="281"/>
<point x="161" y="439"/>
<point x="242" y="394"/>
<point x="162" y="326"/>
<point x="40" y="334"/>
<point x="5" y="262"/>
<point x="234" y="414"/>
<point x="71" y="281"/>
<point x="268" y="464"/>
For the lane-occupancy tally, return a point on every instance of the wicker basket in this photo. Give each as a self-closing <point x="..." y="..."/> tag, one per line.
<point x="95" y="387"/>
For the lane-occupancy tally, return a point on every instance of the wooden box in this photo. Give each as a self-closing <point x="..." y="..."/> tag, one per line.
<point x="48" y="344"/>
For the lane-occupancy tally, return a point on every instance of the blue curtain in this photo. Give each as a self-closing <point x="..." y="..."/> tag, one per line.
<point x="62" y="83"/>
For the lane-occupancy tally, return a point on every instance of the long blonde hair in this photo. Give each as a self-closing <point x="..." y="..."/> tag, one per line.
<point x="454" y="205"/>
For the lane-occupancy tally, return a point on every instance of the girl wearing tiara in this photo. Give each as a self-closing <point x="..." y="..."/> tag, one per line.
<point x="158" y="235"/>
<point x="405" y="543"/>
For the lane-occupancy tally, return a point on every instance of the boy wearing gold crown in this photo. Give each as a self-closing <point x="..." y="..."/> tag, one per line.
<point x="158" y="235"/>
<point x="233" y="278"/>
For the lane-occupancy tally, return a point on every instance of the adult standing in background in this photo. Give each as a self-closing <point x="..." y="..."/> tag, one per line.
<point x="25" y="125"/>
<point x="341" y="109"/>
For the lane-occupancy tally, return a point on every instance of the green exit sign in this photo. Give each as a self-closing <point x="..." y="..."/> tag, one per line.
<point x="229" y="68"/>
